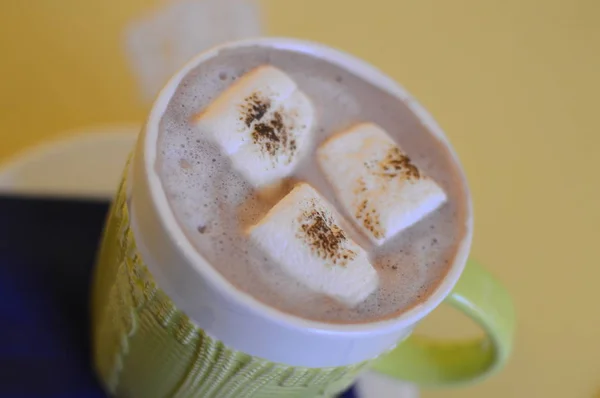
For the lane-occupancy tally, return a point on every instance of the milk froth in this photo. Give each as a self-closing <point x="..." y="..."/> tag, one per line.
<point x="215" y="204"/>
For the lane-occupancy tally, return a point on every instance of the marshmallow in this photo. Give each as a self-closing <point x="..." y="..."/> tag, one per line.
<point x="376" y="182"/>
<point x="303" y="234"/>
<point x="263" y="122"/>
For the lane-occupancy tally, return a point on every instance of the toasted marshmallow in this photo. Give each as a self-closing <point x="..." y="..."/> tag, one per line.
<point x="303" y="234"/>
<point x="263" y="122"/>
<point x="376" y="182"/>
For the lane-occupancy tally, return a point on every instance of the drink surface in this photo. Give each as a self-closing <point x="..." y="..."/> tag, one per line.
<point x="215" y="205"/>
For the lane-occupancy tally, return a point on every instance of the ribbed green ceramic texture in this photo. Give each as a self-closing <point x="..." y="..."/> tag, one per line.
<point x="144" y="347"/>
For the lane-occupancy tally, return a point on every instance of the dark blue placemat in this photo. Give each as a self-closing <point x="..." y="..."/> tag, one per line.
<point x="47" y="249"/>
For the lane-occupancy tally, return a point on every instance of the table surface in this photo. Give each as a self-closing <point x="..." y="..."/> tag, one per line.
<point x="47" y="249"/>
<point x="513" y="83"/>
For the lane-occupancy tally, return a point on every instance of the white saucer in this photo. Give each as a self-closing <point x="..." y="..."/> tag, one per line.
<point x="85" y="164"/>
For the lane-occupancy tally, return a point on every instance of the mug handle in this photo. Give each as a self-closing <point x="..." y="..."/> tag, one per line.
<point x="431" y="362"/>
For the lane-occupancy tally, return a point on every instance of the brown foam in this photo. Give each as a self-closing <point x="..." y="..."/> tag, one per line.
<point x="207" y="196"/>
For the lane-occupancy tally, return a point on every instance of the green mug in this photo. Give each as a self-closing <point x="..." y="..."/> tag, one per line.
<point x="166" y="324"/>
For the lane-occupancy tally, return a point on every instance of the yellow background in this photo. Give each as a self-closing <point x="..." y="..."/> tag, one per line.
<point x="514" y="84"/>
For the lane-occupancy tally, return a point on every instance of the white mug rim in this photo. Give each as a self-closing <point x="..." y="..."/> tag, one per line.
<point x="201" y="265"/>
